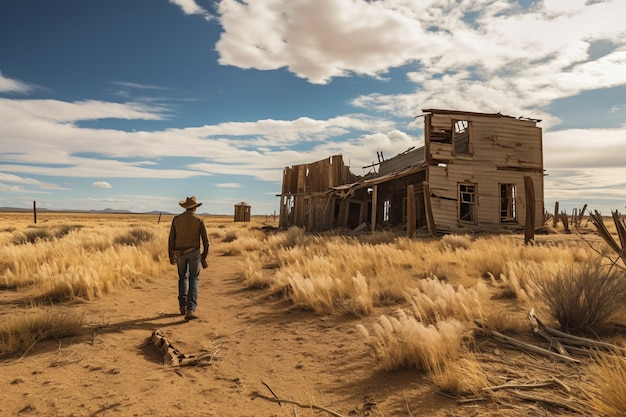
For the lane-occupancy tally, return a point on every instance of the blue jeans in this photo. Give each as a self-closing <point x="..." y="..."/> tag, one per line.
<point x="188" y="273"/>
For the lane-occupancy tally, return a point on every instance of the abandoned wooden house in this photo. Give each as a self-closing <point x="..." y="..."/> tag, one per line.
<point x="475" y="172"/>
<point x="242" y="212"/>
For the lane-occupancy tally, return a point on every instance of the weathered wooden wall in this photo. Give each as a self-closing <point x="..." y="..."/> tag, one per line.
<point x="502" y="150"/>
<point x="305" y="199"/>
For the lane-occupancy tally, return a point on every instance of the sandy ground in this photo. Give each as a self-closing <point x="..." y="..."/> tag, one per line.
<point x="257" y="341"/>
<point x="253" y="337"/>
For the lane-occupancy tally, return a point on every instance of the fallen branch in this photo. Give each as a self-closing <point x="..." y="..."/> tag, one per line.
<point x="529" y="347"/>
<point x="521" y="386"/>
<point x="256" y="394"/>
<point x="565" y="403"/>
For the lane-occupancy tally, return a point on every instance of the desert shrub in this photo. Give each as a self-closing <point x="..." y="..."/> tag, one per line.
<point x="606" y="391"/>
<point x="405" y="342"/>
<point x="584" y="298"/>
<point x="18" y="334"/>
<point x="454" y="242"/>
<point x="135" y="236"/>
<point x="229" y="236"/>
<point x="34" y="234"/>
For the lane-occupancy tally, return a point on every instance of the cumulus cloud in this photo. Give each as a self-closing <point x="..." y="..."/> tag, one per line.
<point x="101" y="184"/>
<point x="475" y="55"/>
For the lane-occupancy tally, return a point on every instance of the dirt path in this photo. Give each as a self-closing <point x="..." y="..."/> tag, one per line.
<point x="255" y="337"/>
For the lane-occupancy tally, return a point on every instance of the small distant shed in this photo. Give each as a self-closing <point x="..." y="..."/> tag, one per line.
<point x="242" y="212"/>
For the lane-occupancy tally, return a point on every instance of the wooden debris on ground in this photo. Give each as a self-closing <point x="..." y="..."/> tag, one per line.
<point x="280" y="401"/>
<point x="173" y="357"/>
<point x="561" y="347"/>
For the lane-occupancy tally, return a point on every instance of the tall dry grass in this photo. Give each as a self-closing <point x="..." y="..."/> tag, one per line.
<point x="405" y="342"/>
<point x="605" y="391"/>
<point x="81" y="261"/>
<point x="354" y="274"/>
<point x="19" y="334"/>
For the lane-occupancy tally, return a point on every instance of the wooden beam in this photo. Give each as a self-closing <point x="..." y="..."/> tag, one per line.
<point x="430" y="220"/>
<point x="374" y="208"/>
<point x="410" y="212"/>
<point x="529" y="232"/>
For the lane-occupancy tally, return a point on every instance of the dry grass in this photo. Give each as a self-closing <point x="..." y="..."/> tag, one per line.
<point x="82" y="261"/>
<point x="18" y="334"/>
<point x="405" y="342"/>
<point x="434" y="300"/>
<point x="606" y="391"/>
<point x="463" y="376"/>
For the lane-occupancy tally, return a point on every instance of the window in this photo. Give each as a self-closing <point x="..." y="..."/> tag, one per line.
<point x="467" y="203"/>
<point x="461" y="137"/>
<point x="386" y="210"/>
<point x="508" y="193"/>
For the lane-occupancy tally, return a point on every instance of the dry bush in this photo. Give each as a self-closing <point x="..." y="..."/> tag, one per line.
<point x="605" y="393"/>
<point x="462" y="376"/>
<point x="454" y="242"/>
<point x="18" y="334"/>
<point x="435" y="300"/>
<point x="504" y="320"/>
<point x="33" y="234"/>
<point x="229" y="236"/>
<point x="135" y="236"/>
<point x="405" y="342"/>
<point x="585" y="298"/>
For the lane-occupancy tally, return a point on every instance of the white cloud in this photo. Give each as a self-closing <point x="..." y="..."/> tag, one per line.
<point x="476" y="55"/>
<point x="190" y="7"/>
<point x="8" y="85"/>
<point x="229" y="185"/>
<point x="101" y="184"/>
<point x="24" y="181"/>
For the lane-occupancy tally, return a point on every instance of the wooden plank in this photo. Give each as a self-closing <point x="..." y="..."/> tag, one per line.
<point x="374" y="208"/>
<point x="430" y="220"/>
<point x="410" y="211"/>
<point x="530" y="209"/>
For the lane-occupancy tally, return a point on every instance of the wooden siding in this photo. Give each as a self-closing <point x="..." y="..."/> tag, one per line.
<point x="502" y="151"/>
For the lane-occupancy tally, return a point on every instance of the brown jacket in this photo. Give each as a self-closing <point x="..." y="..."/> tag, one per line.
<point x="186" y="232"/>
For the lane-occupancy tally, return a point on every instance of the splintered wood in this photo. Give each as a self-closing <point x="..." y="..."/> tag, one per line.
<point x="173" y="357"/>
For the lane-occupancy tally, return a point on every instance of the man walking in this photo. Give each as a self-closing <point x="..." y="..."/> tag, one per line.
<point x="186" y="232"/>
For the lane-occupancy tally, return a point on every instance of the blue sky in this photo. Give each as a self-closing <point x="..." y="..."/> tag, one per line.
<point x="137" y="104"/>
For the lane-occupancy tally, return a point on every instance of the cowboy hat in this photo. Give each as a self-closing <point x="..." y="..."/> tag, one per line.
<point x="189" y="203"/>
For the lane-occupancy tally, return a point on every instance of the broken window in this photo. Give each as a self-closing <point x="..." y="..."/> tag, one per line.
<point x="467" y="203"/>
<point x="461" y="137"/>
<point x="386" y="210"/>
<point x="508" y="193"/>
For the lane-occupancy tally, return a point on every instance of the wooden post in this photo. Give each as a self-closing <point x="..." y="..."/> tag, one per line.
<point x="430" y="220"/>
<point x="410" y="212"/>
<point x="374" y="208"/>
<point x="555" y="219"/>
<point x="159" y="221"/>
<point x="35" y="212"/>
<point x="529" y="231"/>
